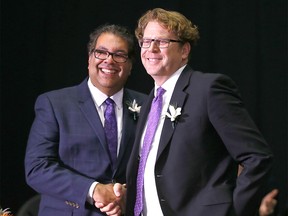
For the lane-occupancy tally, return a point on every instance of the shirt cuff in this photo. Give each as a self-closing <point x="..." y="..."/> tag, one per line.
<point x="90" y="193"/>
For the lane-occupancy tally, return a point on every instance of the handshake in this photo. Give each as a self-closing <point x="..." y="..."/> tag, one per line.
<point x="110" y="198"/>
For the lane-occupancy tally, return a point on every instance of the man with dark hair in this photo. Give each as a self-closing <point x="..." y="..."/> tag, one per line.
<point x="82" y="136"/>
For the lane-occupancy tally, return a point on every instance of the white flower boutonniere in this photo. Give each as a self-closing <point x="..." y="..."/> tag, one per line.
<point x="134" y="108"/>
<point x="174" y="114"/>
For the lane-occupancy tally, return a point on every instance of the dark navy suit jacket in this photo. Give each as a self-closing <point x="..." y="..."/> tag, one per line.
<point x="67" y="150"/>
<point x="197" y="160"/>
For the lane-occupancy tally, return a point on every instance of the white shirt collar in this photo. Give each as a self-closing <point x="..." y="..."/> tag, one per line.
<point x="169" y="84"/>
<point x="99" y="97"/>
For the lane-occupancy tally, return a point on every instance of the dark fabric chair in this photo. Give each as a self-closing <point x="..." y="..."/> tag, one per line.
<point x="30" y="207"/>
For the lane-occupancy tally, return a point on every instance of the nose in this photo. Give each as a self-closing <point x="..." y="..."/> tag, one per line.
<point x="109" y="57"/>
<point x="153" y="46"/>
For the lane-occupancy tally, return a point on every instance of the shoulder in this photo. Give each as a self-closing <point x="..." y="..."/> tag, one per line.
<point x="62" y="91"/>
<point x="66" y="92"/>
<point x="67" y="96"/>
<point x="202" y="79"/>
<point x="204" y="83"/>
<point x="59" y="95"/>
<point x="209" y="77"/>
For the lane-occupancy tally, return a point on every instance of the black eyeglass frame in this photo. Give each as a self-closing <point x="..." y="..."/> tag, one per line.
<point x="158" y="41"/>
<point x="122" y="55"/>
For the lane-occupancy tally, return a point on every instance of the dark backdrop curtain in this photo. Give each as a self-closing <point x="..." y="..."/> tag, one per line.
<point x="43" y="47"/>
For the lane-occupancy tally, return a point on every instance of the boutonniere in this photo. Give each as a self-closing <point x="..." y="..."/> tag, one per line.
<point x="5" y="212"/>
<point x="134" y="109"/>
<point x="173" y="114"/>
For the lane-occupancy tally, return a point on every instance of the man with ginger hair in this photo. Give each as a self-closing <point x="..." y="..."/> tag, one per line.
<point x="190" y="164"/>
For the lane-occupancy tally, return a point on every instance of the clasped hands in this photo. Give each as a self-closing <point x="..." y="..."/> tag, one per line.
<point x="110" y="198"/>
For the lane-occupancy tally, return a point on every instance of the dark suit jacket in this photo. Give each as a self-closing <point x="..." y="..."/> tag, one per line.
<point x="196" y="165"/>
<point x="67" y="150"/>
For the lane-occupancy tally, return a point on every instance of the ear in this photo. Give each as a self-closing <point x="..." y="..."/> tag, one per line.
<point x="186" y="50"/>
<point x="89" y="60"/>
<point x="130" y="68"/>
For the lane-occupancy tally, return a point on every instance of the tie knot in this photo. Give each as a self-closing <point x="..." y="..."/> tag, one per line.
<point x="160" y="92"/>
<point x="109" y="101"/>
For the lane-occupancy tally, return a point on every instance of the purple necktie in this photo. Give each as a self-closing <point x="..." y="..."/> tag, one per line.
<point x="110" y="128"/>
<point x="152" y="123"/>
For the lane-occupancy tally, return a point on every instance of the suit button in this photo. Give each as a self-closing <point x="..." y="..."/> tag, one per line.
<point x="159" y="176"/>
<point x="162" y="200"/>
<point x="75" y="205"/>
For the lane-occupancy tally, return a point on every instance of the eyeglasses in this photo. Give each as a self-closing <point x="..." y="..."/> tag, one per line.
<point x="161" y="43"/>
<point x="103" y="54"/>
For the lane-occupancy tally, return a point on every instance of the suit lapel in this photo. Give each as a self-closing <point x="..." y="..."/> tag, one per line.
<point x="128" y="126"/>
<point x="87" y="106"/>
<point x="178" y="98"/>
<point x="145" y="109"/>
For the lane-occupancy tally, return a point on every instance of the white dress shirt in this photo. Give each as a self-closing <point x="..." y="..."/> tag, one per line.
<point x="151" y="202"/>
<point x="99" y="101"/>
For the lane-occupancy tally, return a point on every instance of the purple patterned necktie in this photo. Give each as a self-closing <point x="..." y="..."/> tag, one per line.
<point x="110" y="128"/>
<point x="152" y="123"/>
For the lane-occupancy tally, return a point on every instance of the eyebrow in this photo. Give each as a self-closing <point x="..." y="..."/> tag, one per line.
<point x="116" y="51"/>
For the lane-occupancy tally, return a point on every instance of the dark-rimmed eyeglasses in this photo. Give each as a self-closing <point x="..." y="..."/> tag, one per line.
<point x="103" y="54"/>
<point x="161" y="43"/>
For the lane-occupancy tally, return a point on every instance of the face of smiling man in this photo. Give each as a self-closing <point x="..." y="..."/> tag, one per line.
<point x="107" y="75"/>
<point x="161" y="63"/>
